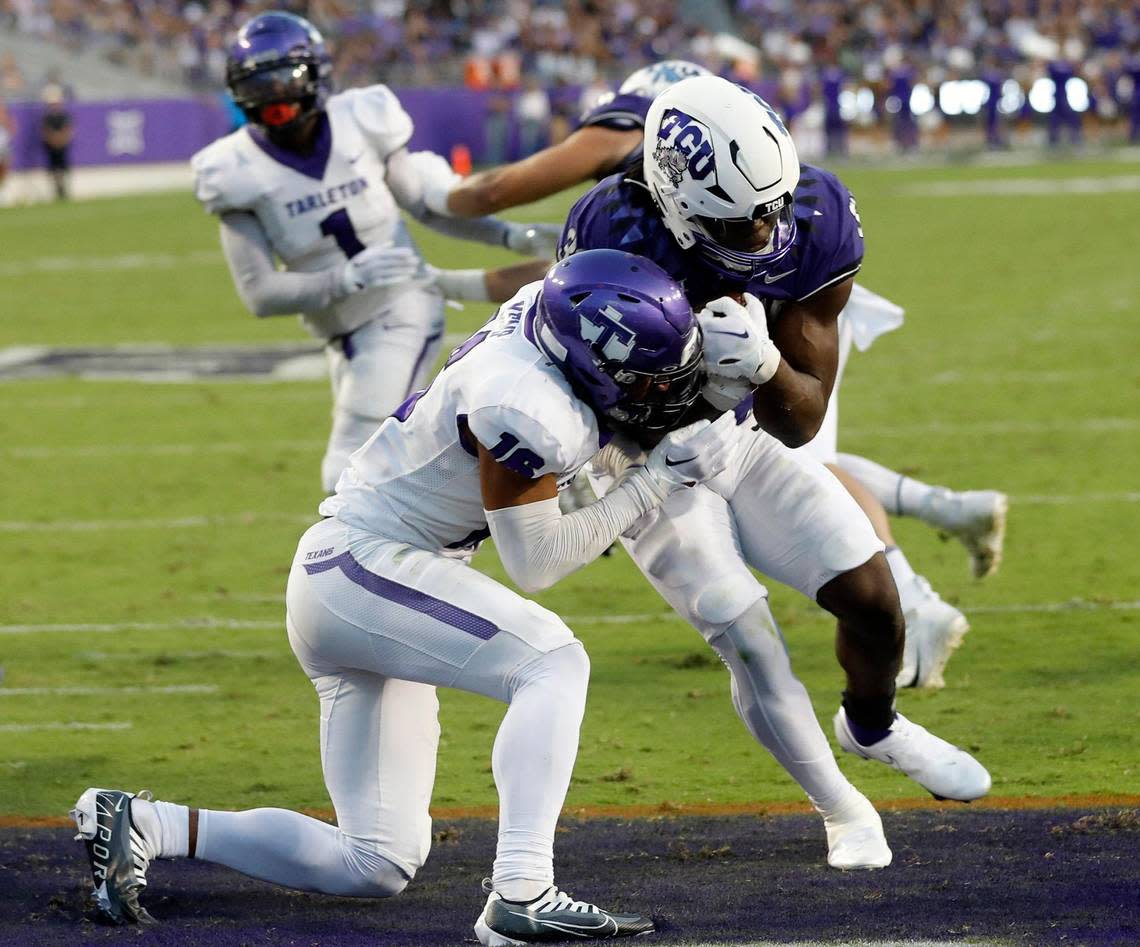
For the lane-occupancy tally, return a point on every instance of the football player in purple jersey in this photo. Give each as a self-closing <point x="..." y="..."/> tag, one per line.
<point x="721" y="204"/>
<point x="609" y="140"/>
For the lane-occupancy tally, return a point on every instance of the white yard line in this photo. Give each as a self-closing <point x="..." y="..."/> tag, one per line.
<point x="1086" y="426"/>
<point x="1023" y="187"/>
<point x="619" y="619"/>
<point x="64" y="725"/>
<point x="111" y="450"/>
<point x="302" y="519"/>
<point x="184" y="522"/>
<point x="123" y="261"/>
<point x="107" y="691"/>
<point x="200" y="624"/>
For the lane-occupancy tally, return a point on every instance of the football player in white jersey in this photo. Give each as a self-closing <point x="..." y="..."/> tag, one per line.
<point x="382" y="606"/>
<point x="610" y="139"/>
<point x="318" y="181"/>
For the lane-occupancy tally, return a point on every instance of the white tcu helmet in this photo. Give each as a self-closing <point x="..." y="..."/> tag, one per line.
<point x="651" y="81"/>
<point x="722" y="169"/>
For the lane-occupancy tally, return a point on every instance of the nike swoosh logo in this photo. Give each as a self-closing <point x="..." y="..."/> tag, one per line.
<point x="769" y="278"/>
<point x="735" y="335"/>
<point x="570" y="926"/>
<point x="669" y="462"/>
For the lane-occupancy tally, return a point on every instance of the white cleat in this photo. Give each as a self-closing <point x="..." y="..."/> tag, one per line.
<point x="976" y="518"/>
<point x="939" y="767"/>
<point x="934" y="629"/>
<point x="855" y="838"/>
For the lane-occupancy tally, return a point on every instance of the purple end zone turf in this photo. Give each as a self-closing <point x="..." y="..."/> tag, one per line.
<point x="1028" y="877"/>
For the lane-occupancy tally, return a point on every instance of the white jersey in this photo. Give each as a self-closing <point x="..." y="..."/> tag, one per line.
<point x="416" y="480"/>
<point x="320" y="209"/>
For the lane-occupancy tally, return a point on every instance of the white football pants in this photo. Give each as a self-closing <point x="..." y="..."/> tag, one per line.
<point x="784" y="514"/>
<point x="375" y="367"/>
<point x="377" y="625"/>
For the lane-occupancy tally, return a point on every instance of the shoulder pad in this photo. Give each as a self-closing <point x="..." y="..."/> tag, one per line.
<point x="534" y="440"/>
<point x="223" y="178"/>
<point x="379" y="115"/>
<point x="619" y="112"/>
<point x="829" y="228"/>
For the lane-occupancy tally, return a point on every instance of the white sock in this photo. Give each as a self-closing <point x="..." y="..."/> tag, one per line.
<point x="904" y="577"/>
<point x="532" y="760"/>
<point x="296" y="851"/>
<point x="164" y="825"/>
<point x="521" y="890"/>
<point x="899" y="494"/>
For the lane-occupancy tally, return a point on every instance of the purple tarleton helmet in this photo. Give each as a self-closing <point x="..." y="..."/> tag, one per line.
<point x="278" y="57"/>
<point x="625" y="336"/>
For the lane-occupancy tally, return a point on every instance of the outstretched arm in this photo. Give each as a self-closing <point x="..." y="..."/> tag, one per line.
<point x="588" y="153"/>
<point x="409" y="176"/>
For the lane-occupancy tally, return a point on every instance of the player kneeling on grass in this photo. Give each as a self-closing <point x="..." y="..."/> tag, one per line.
<point x="382" y="606"/>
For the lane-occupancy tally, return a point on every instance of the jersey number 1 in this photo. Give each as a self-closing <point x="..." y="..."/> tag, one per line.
<point x="339" y="227"/>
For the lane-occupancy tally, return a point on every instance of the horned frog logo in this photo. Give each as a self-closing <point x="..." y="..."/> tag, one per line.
<point x="671" y="161"/>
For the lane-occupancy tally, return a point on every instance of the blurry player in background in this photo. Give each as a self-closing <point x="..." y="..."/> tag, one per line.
<point x="721" y="205"/>
<point x="610" y="140"/>
<point x="382" y="606"/>
<point x="318" y="180"/>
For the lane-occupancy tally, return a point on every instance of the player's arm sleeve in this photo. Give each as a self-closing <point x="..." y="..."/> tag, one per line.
<point x="403" y="179"/>
<point x="264" y="289"/>
<point x="539" y="545"/>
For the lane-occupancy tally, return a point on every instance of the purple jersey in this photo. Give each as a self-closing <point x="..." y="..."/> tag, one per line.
<point x="619" y="213"/>
<point x="621" y="113"/>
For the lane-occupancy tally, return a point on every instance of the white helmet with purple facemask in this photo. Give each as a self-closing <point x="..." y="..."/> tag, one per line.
<point x="722" y="169"/>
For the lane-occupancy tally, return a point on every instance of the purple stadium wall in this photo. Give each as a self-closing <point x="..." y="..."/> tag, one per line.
<point x="144" y="132"/>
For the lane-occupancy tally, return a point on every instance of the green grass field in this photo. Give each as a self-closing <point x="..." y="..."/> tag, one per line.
<point x="147" y="528"/>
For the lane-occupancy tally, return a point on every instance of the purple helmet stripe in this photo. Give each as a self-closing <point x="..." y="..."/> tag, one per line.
<point x="418" y="601"/>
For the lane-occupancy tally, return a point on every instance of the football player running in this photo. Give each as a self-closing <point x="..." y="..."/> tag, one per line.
<point x="610" y="140"/>
<point x="317" y="180"/>
<point x="720" y="204"/>
<point x="382" y="607"/>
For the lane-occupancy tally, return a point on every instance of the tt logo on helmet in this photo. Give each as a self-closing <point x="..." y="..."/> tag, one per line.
<point x="604" y="331"/>
<point x="689" y="139"/>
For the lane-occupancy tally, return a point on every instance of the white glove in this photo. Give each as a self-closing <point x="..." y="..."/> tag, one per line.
<point x="739" y="355"/>
<point x="533" y="239"/>
<point x="379" y="266"/>
<point x="468" y="285"/>
<point x="437" y="179"/>
<point x="692" y="454"/>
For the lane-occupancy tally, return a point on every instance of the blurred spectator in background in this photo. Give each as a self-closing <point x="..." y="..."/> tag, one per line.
<point x="994" y="78"/>
<point x="1130" y="91"/>
<point x="532" y="109"/>
<point x="12" y="83"/>
<point x="7" y="133"/>
<point x="832" y="83"/>
<point x="55" y="135"/>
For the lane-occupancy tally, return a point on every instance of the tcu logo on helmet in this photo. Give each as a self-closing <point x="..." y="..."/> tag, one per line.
<point x="604" y="330"/>
<point x="683" y="145"/>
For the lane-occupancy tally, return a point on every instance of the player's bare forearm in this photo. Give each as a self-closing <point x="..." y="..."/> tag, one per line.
<point x="792" y="404"/>
<point x="585" y="154"/>
<point x="503" y="282"/>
